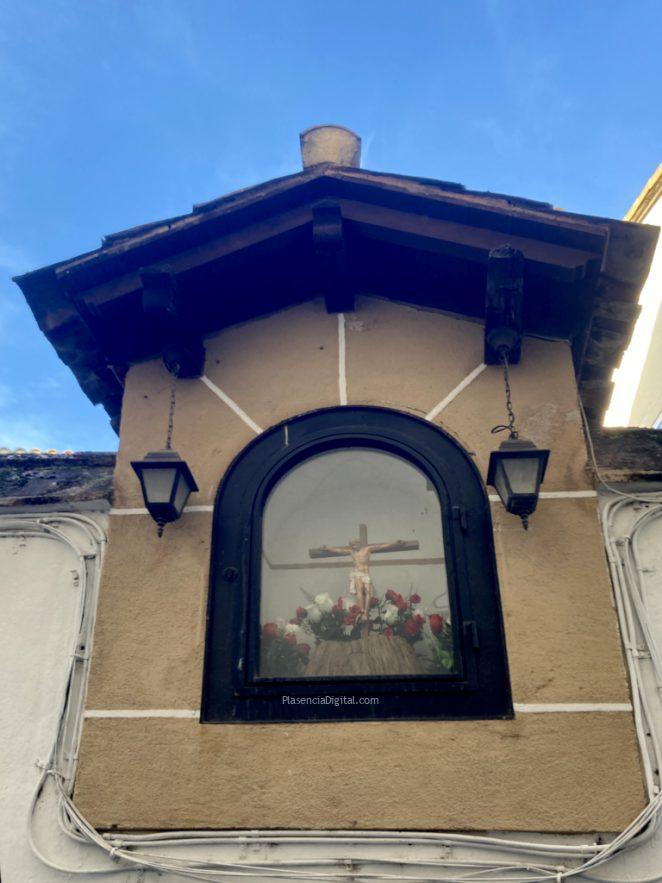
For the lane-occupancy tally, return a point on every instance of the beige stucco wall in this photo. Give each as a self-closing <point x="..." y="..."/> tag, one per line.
<point x="552" y="771"/>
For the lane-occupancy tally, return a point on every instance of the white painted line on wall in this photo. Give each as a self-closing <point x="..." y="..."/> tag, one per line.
<point x="565" y="707"/>
<point x="554" y="495"/>
<point x="342" y="364"/>
<point x="493" y="498"/>
<point x="143" y="712"/>
<point x="520" y="708"/>
<point x="129" y="512"/>
<point x="145" y="512"/>
<point x="453" y="394"/>
<point x="224" y="397"/>
<point x="561" y="495"/>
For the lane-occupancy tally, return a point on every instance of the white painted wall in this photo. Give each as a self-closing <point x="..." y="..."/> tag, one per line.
<point x="40" y="586"/>
<point x="637" y="396"/>
<point x="642" y="522"/>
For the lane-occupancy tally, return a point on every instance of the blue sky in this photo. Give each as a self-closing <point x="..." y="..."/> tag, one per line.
<point x="116" y="112"/>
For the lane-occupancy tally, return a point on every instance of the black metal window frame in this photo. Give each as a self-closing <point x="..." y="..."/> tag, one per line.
<point x="232" y="689"/>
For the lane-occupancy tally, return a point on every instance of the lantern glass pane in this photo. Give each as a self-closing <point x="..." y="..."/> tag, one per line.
<point x="181" y="494"/>
<point x="522" y="474"/>
<point x="159" y="483"/>
<point x="501" y="482"/>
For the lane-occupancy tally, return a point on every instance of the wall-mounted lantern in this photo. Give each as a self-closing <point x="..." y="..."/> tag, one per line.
<point x="166" y="483"/>
<point x="165" y="479"/>
<point x="517" y="470"/>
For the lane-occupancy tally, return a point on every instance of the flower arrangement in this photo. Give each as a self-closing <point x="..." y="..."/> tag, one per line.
<point x="285" y="654"/>
<point x="441" y="645"/>
<point x="281" y="654"/>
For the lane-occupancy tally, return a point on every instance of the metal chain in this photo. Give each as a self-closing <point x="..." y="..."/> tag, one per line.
<point x="513" y="433"/>
<point x="171" y="413"/>
<point x="509" y="402"/>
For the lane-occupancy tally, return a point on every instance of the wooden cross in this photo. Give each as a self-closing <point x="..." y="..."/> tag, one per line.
<point x="342" y="551"/>
<point x="360" y="583"/>
<point x="362" y="547"/>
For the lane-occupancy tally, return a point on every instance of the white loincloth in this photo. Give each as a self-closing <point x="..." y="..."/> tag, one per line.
<point x="358" y="579"/>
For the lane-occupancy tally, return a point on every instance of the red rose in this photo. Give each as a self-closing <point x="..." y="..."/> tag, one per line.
<point x="294" y="621"/>
<point x="304" y="649"/>
<point x="290" y="639"/>
<point x="412" y="627"/>
<point x="436" y="623"/>
<point x="269" y="630"/>
<point x="374" y="601"/>
<point x="391" y="594"/>
<point x="350" y="619"/>
<point x="302" y="613"/>
<point x="420" y="619"/>
<point x="388" y="632"/>
<point x="400" y="603"/>
<point x="337" y="607"/>
<point x="415" y="598"/>
<point x="355" y="608"/>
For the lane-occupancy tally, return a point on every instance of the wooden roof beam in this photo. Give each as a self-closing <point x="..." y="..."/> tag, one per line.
<point x="465" y="242"/>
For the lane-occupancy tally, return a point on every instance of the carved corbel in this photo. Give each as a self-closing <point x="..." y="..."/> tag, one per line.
<point x="503" y="304"/>
<point x="181" y="344"/>
<point x="331" y="257"/>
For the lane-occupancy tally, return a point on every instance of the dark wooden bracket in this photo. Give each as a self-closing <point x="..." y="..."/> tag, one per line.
<point x="331" y="257"/>
<point x="503" y="304"/>
<point x="180" y="342"/>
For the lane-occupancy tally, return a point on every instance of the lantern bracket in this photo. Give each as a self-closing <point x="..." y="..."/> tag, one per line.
<point x="503" y="305"/>
<point x="179" y="340"/>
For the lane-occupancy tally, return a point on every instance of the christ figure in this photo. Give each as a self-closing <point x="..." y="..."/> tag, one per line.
<point x="360" y="581"/>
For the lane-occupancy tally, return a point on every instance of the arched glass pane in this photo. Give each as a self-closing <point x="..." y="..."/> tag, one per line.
<point x="353" y="573"/>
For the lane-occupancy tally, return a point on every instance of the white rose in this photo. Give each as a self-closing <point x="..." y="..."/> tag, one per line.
<point x="293" y="629"/>
<point x="324" y="602"/>
<point x="280" y="622"/>
<point x="390" y="614"/>
<point x="314" y="613"/>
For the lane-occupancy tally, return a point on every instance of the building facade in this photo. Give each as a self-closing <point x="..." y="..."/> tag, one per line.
<point x="320" y="351"/>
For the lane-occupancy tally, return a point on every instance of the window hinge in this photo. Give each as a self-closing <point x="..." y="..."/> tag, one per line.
<point x="460" y="515"/>
<point x="471" y="631"/>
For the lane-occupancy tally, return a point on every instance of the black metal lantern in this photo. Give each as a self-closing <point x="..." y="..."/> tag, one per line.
<point x="517" y="470"/>
<point x="166" y="483"/>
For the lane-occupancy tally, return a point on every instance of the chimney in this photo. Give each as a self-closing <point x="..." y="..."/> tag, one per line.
<point x="330" y="144"/>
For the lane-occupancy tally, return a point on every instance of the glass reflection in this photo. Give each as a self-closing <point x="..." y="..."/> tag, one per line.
<point x="353" y="576"/>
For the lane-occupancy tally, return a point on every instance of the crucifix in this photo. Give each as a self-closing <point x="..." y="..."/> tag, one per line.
<point x="360" y="582"/>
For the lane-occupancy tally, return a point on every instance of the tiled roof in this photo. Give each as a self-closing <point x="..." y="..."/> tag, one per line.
<point x="34" y="478"/>
<point x="34" y="452"/>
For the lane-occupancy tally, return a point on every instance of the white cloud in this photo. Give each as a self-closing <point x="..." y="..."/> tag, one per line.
<point x="366" y="144"/>
<point x="22" y="432"/>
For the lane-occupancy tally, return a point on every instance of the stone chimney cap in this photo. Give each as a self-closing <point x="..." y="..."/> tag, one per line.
<point x="330" y="144"/>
